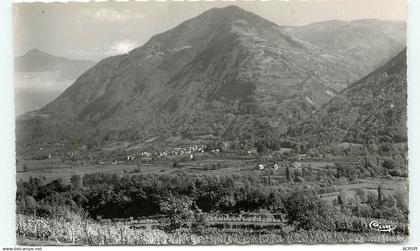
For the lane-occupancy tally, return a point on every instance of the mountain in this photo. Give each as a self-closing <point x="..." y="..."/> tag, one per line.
<point x="226" y="72"/>
<point x="38" y="61"/>
<point x="365" y="44"/>
<point x="373" y="110"/>
<point x="40" y="77"/>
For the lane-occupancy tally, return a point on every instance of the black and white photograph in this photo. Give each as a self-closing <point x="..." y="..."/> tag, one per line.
<point x="211" y="122"/>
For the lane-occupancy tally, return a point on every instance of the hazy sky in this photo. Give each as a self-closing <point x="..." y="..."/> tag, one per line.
<point x="96" y="30"/>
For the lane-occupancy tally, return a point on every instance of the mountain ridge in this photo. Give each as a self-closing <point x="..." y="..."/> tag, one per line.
<point x="370" y="111"/>
<point x="221" y="72"/>
<point x="36" y="60"/>
<point x="372" y="40"/>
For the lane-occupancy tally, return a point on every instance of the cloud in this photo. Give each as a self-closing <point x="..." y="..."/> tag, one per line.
<point x="112" y="15"/>
<point x="121" y="47"/>
<point x="117" y="47"/>
<point x="99" y="52"/>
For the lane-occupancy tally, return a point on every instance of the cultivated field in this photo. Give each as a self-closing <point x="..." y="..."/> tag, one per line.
<point x="59" y="232"/>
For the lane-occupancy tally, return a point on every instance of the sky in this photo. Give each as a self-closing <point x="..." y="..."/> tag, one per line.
<point x="95" y="30"/>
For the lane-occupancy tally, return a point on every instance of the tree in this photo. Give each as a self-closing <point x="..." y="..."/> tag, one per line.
<point x="226" y="203"/>
<point x="175" y="164"/>
<point x="367" y="162"/>
<point x="139" y="166"/>
<point x="76" y="181"/>
<point x="298" y="148"/>
<point x="289" y="176"/>
<point x="261" y="147"/>
<point x="390" y="164"/>
<point x="380" y="195"/>
<point x="199" y="222"/>
<point x="25" y="168"/>
<point x="362" y="194"/>
<point x="364" y="211"/>
<point x="177" y="209"/>
<point x="30" y="204"/>
<point x="340" y="200"/>
<point x="307" y="211"/>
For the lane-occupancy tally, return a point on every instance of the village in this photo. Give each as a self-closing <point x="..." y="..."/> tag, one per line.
<point x="80" y="155"/>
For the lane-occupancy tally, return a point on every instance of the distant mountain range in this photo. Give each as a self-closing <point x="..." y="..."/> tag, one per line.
<point x="40" y="77"/>
<point x="366" y="44"/>
<point x="227" y="72"/>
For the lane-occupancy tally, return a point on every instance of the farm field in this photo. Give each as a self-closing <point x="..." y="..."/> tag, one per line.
<point x="65" y="172"/>
<point x="54" y="169"/>
<point x="219" y="166"/>
<point x="368" y="184"/>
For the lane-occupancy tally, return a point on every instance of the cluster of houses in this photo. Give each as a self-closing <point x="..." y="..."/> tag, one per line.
<point x="178" y="151"/>
<point x="187" y="150"/>
<point x="276" y="166"/>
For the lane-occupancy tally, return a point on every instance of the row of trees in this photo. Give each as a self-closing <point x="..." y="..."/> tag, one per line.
<point x="112" y="196"/>
<point x="184" y="198"/>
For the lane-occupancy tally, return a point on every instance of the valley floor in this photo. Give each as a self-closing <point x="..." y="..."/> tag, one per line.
<point x="221" y="198"/>
<point x="50" y="170"/>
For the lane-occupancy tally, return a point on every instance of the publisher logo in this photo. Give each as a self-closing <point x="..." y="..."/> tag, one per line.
<point x="381" y="227"/>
